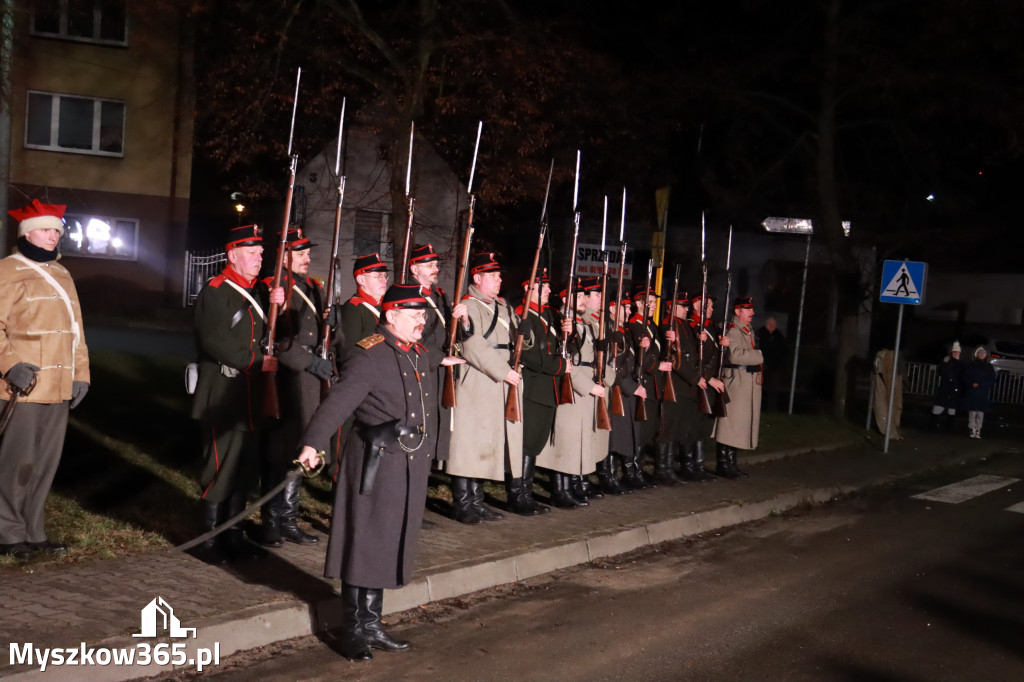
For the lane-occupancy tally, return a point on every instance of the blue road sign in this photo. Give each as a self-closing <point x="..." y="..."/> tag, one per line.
<point x="903" y="282"/>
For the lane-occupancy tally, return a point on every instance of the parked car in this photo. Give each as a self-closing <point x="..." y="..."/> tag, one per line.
<point x="1007" y="355"/>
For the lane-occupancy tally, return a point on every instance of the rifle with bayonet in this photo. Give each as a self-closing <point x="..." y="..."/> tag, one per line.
<point x="448" y="392"/>
<point x="722" y="399"/>
<point x="411" y="201"/>
<point x="703" y="404"/>
<point x="617" y="406"/>
<point x="324" y="351"/>
<point x="604" y="422"/>
<point x="640" y="414"/>
<point x="271" y="404"/>
<point x="566" y="395"/>
<point x="672" y="352"/>
<point x="512" y="410"/>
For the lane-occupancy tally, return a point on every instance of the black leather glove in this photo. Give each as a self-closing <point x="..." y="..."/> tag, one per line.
<point x="21" y="375"/>
<point x="78" y="391"/>
<point x="320" y="368"/>
<point x="333" y="316"/>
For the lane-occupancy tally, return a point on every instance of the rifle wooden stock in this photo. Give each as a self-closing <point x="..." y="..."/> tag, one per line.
<point x="604" y="422"/>
<point x="271" y="401"/>
<point x="448" y="391"/>
<point x="566" y="393"/>
<point x="721" y="400"/>
<point x="513" y="413"/>
<point x="617" y="406"/>
<point x="640" y="413"/>
<point x="703" y="404"/>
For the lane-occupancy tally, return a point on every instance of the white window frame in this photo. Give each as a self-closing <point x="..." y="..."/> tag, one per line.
<point x="84" y="219"/>
<point x="97" y="15"/>
<point x="55" y="123"/>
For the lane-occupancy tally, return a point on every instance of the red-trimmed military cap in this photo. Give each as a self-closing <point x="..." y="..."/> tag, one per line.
<point x="640" y="292"/>
<point x="682" y="298"/>
<point x="542" y="278"/>
<point x="423" y="254"/>
<point x="484" y="262"/>
<point x="368" y="263"/>
<point x="403" y="296"/>
<point x="589" y="284"/>
<point x="744" y="302"/>
<point x="297" y="241"/>
<point x="244" y="235"/>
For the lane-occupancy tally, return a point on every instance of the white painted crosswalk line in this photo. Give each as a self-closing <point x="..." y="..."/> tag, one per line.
<point x="1019" y="508"/>
<point x="967" y="489"/>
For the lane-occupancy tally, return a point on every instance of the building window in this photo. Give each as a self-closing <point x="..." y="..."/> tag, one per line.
<point x="95" y="236"/>
<point x="71" y="123"/>
<point x="94" y="21"/>
<point x="371" y="232"/>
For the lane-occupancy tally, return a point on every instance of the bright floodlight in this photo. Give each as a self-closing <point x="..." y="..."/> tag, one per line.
<point x="796" y="225"/>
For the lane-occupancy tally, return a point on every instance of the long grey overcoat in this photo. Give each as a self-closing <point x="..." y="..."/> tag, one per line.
<point x="740" y="427"/>
<point x="576" y="444"/>
<point x="483" y="442"/>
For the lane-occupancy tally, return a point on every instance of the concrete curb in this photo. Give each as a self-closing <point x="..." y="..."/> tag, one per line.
<point x="269" y="623"/>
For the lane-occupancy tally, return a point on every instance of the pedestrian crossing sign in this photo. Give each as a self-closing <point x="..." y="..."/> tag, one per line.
<point x="903" y="282"/>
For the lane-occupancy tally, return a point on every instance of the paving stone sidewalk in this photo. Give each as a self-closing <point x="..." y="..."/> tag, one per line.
<point x="245" y="606"/>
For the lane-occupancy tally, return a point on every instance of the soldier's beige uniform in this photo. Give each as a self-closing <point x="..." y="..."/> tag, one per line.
<point x="483" y="443"/>
<point x="739" y="429"/>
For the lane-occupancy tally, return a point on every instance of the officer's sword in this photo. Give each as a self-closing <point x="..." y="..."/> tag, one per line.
<point x="5" y="416"/>
<point x="299" y="470"/>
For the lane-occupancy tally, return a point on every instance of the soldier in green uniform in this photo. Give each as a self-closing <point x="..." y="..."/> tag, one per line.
<point x="230" y="315"/>
<point x="712" y="341"/>
<point x="300" y="377"/>
<point x="360" y="314"/>
<point x="543" y="367"/>
<point x="645" y="337"/>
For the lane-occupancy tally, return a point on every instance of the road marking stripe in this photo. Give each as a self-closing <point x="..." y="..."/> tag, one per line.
<point x="966" y="489"/>
<point x="1019" y="508"/>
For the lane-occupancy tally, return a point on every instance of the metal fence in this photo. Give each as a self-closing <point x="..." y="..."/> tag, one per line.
<point x="921" y="378"/>
<point x="200" y="267"/>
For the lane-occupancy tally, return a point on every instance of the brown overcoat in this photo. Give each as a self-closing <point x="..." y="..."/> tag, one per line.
<point x="740" y="427"/>
<point x="35" y="327"/>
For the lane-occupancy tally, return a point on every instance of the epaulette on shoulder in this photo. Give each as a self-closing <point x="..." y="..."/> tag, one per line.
<point x="370" y="341"/>
<point x="216" y="281"/>
<point x="440" y="291"/>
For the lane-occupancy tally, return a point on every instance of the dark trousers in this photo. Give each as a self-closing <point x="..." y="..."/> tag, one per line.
<point x="232" y="463"/>
<point x="30" y="450"/>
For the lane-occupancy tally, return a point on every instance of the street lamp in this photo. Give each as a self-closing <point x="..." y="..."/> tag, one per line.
<point x="797" y="226"/>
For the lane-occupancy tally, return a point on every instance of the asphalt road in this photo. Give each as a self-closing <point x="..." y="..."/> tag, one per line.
<point x="881" y="587"/>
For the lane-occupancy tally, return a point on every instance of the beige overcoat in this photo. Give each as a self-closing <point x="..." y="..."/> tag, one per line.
<point x="740" y="427"/>
<point x="483" y="443"/>
<point x="576" y="444"/>
<point x="35" y="327"/>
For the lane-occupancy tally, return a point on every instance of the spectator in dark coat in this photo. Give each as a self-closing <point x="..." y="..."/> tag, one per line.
<point x="947" y="393"/>
<point x="773" y="347"/>
<point x="978" y="379"/>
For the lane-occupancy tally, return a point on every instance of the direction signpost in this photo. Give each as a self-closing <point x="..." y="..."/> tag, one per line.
<point x="903" y="282"/>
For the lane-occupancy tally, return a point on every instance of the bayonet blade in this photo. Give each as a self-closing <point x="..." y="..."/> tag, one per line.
<point x="476" y="149"/>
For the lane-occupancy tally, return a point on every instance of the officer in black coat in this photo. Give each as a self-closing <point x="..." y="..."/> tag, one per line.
<point x="388" y="382"/>
<point x="300" y="377"/>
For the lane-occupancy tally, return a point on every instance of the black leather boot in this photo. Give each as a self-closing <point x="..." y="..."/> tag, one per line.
<point x="561" y="492"/>
<point x="589" y="490"/>
<point x="462" y="501"/>
<point x="663" y="473"/>
<point x="269" y="532"/>
<point x="211" y="515"/>
<point x="733" y="453"/>
<point x="371" y="604"/>
<point x="518" y="501"/>
<point x="701" y="475"/>
<point x="485" y="512"/>
<point x="577" y="490"/>
<point x="352" y="643"/>
<point x="723" y="463"/>
<point x="290" y="530"/>
<point x="529" y="467"/>
<point x="606" y="476"/>
<point x="235" y="543"/>
<point x="631" y="478"/>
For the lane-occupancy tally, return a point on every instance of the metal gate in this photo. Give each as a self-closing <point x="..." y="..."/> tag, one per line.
<point x="200" y="267"/>
<point x="921" y="378"/>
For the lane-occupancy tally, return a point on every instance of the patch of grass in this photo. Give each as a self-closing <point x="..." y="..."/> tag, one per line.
<point x="781" y="431"/>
